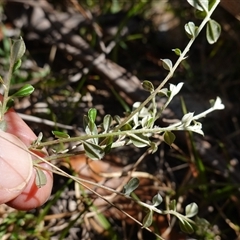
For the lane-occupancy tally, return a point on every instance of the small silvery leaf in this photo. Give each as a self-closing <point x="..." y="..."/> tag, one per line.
<point x="157" y="200"/>
<point x="40" y="179"/>
<point x="144" y="112"/>
<point x="217" y="105"/>
<point x="146" y="121"/>
<point x="167" y="64"/>
<point x="147" y="221"/>
<point x="201" y="5"/>
<point x="190" y="29"/>
<point x="213" y="31"/>
<point x="24" y="91"/>
<point x="107" y="120"/>
<point x="165" y="92"/>
<point x="197" y="128"/>
<point x="153" y="148"/>
<point x="139" y="140"/>
<point x="93" y="151"/>
<point x="17" y="50"/>
<point x="131" y="186"/>
<point x="91" y="129"/>
<point x="187" y="119"/>
<point x="136" y="105"/>
<point x="135" y="118"/>
<point x="185" y="226"/>
<point x="169" y="138"/>
<point x="148" y="86"/>
<point x="191" y="210"/>
<point x="117" y="119"/>
<point x="175" y="89"/>
<point x="177" y="51"/>
<point x="38" y="140"/>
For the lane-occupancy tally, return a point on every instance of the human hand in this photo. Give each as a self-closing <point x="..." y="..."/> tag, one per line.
<point x="17" y="175"/>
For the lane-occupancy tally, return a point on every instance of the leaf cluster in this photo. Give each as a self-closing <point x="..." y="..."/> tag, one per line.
<point x="17" y="50"/>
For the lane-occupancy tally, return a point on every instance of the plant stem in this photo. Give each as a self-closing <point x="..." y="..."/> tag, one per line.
<point x="7" y="83"/>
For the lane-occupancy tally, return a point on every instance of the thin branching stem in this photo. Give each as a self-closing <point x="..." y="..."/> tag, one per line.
<point x="171" y="72"/>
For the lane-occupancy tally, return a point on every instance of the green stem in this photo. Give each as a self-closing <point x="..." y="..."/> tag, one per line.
<point x="179" y="126"/>
<point x="7" y="83"/>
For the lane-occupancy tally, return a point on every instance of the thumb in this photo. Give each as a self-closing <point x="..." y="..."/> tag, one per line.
<point x="15" y="166"/>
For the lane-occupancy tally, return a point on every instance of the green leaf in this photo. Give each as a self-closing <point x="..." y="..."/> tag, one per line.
<point x="17" y="65"/>
<point x="139" y="140"/>
<point x="150" y="122"/>
<point x="38" y="140"/>
<point x="90" y="128"/>
<point x="157" y="200"/>
<point x="58" y="134"/>
<point x="200" y="14"/>
<point x="93" y="151"/>
<point x="147" y="121"/>
<point x="164" y="92"/>
<point x="177" y="51"/>
<point x="107" y="120"/>
<point x="117" y="119"/>
<point x="201" y="5"/>
<point x="147" y="221"/>
<point x="191" y="210"/>
<point x="92" y="114"/>
<point x="85" y="122"/>
<point x="17" y="50"/>
<point x="167" y="64"/>
<point x="126" y="127"/>
<point x="187" y="119"/>
<point x="173" y="205"/>
<point x="211" y="3"/>
<point x="169" y="138"/>
<point x="10" y="104"/>
<point x="131" y="186"/>
<point x="185" y="226"/>
<point x="153" y="147"/>
<point x="109" y="142"/>
<point x="148" y="86"/>
<point x="24" y="91"/>
<point x="213" y="31"/>
<point x="41" y="178"/>
<point x="190" y="29"/>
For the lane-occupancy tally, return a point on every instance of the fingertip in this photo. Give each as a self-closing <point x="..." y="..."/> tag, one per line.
<point x="15" y="166"/>
<point x="32" y="196"/>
